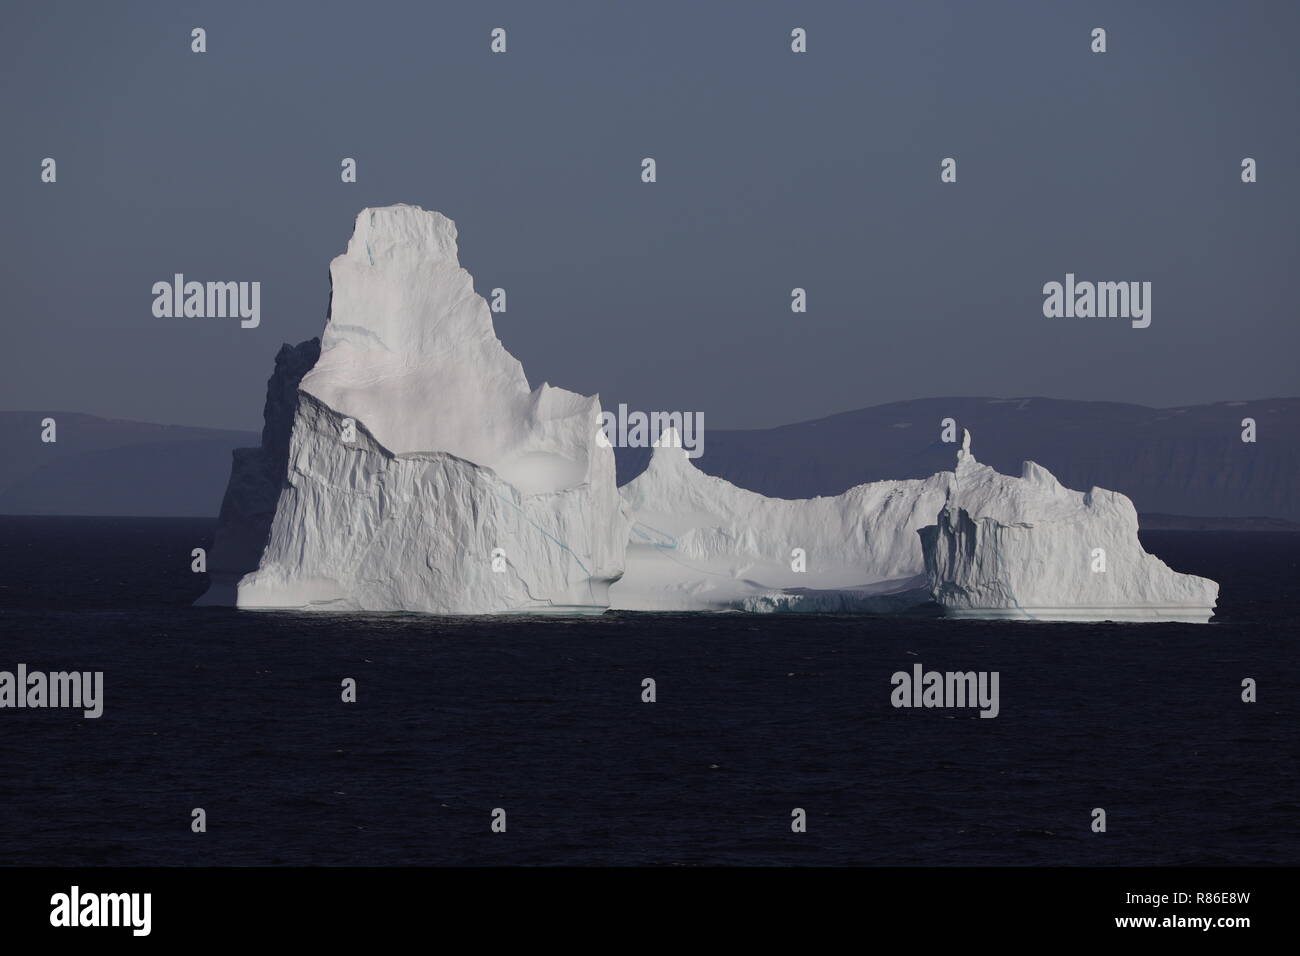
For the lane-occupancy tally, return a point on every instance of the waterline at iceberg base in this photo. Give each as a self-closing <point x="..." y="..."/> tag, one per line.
<point x="406" y="466"/>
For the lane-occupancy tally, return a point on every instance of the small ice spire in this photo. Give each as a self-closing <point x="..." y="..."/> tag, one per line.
<point x="668" y="448"/>
<point x="964" y="456"/>
<point x="668" y="438"/>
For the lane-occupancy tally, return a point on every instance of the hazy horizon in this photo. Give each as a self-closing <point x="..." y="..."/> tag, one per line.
<point x="257" y="426"/>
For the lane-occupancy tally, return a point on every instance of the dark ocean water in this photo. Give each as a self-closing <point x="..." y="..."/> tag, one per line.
<point x="239" y="713"/>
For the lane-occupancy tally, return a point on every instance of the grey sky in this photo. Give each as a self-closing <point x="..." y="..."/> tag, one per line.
<point x="775" y="170"/>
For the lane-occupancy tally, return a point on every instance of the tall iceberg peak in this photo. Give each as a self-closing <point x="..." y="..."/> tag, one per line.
<point x="421" y="473"/>
<point x="403" y="231"/>
<point x="410" y="350"/>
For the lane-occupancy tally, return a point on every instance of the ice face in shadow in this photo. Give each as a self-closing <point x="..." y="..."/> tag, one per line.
<point x="421" y="473"/>
<point x="256" y="477"/>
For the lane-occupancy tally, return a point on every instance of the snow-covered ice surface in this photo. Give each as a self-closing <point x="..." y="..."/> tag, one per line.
<point x="463" y="491"/>
<point x="700" y="543"/>
<point x="1002" y="547"/>
<point x="406" y="466"/>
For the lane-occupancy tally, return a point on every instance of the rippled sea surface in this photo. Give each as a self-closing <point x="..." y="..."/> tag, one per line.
<point x="240" y="713"/>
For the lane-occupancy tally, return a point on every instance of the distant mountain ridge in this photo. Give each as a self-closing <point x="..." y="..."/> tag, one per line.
<point x="1179" y="462"/>
<point x="102" y="466"/>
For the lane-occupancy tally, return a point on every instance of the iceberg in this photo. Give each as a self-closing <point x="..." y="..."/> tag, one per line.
<point x="406" y="465"/>
<point x="700" y="543"/>
<point x="977" y="543"/>
<point x="420" y="472"/>
<point x="1029" y="549"/>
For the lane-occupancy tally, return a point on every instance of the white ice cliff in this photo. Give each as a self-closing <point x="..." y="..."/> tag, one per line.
<point x="421" y="473"/>
<point x="406" y="465"/>
<point x="1026" y="548"/>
